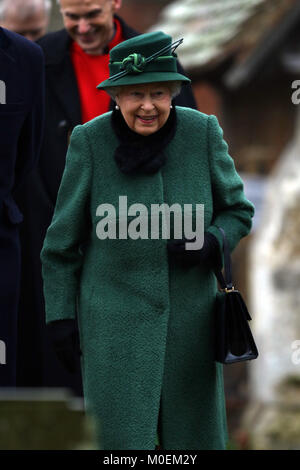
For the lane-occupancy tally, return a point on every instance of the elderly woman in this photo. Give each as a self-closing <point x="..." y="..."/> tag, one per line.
<point x="144" y="304"/>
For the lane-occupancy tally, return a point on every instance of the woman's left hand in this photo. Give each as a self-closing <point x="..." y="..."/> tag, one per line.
<point x="209" y="254"/>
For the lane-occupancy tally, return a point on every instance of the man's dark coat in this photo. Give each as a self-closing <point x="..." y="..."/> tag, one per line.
<point x="21" y="125"/>
<point x="62" y="115"/>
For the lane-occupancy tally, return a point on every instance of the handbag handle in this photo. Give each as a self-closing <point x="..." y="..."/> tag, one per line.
<point x="225" y="283"/>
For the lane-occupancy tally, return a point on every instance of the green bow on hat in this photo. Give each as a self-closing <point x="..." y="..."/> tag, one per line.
<point x="134" y="63"/>
<point x="146" y="58"/>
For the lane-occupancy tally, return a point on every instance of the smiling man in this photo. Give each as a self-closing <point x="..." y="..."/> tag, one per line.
<point x="77" y="60"/>
<point x="92" y="31"/>
<point x="90" y="24"/>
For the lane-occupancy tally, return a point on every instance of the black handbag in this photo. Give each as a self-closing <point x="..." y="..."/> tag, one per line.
<point x="233" y="338"/>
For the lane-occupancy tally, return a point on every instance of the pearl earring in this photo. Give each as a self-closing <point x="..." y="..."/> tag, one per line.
<point x="117" y="107"/>
<point x="171" y="107"/>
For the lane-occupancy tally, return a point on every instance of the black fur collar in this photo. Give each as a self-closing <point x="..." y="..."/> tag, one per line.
<point x="141" y="154"/>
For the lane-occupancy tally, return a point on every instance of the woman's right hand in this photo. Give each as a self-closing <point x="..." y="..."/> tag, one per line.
<point x="65" y="339"/>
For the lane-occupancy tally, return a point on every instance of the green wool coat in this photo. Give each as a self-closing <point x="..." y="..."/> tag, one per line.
<point x="145" y="326"/>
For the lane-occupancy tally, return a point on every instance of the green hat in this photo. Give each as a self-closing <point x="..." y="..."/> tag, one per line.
<point x="146" y="58"/>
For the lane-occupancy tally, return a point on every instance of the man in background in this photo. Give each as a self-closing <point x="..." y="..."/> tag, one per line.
<point x="30" y="18"/>
<point x="21" y="126"/>
<point x="77" y="60"/>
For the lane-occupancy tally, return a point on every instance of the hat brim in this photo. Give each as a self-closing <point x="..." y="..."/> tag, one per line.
<point x="144" y="77"/>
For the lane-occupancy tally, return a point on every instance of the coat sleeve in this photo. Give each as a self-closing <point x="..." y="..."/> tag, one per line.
<point x="231" y="210"/>
<point x="70" y="227"/>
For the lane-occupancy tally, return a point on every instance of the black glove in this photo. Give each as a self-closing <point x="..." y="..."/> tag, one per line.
<point x="208" y="255"/>
<point x="65" y="339"/>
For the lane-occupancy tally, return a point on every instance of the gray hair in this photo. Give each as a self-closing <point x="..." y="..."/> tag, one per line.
<point x="25" y="8"/>
<point x="174" y="87"/>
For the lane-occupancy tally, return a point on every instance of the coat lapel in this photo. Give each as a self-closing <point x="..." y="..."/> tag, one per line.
<point x="62" y="80"/>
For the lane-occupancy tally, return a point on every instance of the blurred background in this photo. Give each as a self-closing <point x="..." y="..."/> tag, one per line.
<point x="243" y="57"/>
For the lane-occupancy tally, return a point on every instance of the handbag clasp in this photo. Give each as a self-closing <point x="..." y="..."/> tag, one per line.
<point x="229" y="289"/>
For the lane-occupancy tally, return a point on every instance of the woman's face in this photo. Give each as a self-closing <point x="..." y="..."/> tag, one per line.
<point x="145" y="107"/>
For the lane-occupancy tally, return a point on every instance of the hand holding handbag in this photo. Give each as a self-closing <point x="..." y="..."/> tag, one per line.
<point x="233" y="338"/>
